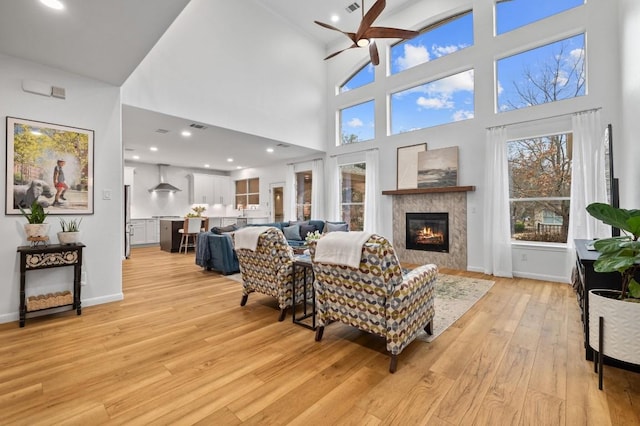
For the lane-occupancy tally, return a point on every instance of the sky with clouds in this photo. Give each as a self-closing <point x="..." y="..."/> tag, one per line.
<point x="451" y="98"/>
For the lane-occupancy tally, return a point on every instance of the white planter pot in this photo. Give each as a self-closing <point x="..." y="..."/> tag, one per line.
<point x="36" y="230"/>
<point x="68" y="237"/>
<point x="621" y="326"/>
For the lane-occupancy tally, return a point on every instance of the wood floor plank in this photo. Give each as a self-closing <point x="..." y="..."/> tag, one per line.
<point x="541" y="410"/>
<point x="180" y="350"/>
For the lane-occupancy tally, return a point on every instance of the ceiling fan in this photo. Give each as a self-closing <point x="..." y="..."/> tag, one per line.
<point x="363" y="37"/>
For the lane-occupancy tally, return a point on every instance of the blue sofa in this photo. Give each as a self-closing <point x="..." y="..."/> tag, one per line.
<point x="215" y="251"/>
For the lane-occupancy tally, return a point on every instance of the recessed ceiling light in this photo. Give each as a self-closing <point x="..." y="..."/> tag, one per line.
<point x="186" y="133"/>
<point x="136" y="157"/>
<point x="230" y="160"/>
<point x="207" y="166"/>
<point x="53" y="4"/>
<point x="238" y="167"/>
<point x="269" y="149"/>
<point x="335" y="18"/>
<point x="153" y="148"/>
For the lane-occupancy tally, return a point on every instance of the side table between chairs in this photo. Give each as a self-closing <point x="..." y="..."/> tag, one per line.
<point x="303" y="263"/>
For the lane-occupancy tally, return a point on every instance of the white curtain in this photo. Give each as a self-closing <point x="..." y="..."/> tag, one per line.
<point x="317" y="189"/>
<point x="497" y="232"/>
<point x="588" y="184"/>
<point x="333" y="190"/>
<point x="290" y="194"/>
<point x="372" y="193"/>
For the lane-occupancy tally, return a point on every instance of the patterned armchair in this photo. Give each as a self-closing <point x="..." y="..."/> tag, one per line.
<point x="376" y="297"/>
<point x="269" y="269"/>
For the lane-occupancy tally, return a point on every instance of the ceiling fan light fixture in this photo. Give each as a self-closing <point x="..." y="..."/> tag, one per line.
<point x="363" y="42"/>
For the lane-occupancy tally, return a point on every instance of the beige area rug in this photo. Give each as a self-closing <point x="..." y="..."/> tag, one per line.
<point x="454" y="297"/>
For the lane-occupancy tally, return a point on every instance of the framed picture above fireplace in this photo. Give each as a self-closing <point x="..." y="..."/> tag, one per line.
<point x="407" y="165"/>
<point x="438" y="168"/>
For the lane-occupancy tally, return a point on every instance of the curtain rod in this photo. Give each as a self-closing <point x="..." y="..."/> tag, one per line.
<point x="305" y="161"/>
<point x="543" y="118"/>
<point x="354" y="152"/>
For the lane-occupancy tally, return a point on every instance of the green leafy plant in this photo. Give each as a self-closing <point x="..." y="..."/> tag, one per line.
<point x="622" y="253"/>
<point x="36" y="214"/>
<point x="72" y="225"/>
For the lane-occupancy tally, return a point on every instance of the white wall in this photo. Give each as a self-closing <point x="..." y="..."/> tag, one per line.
<point x="235" y="65"/>
<point x="597" y="18"/>
<point x="626" y="139"/>
<point x="90" y="105"/>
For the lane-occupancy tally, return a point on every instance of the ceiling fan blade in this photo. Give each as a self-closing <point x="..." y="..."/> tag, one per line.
<point x="369" y="17"/>
<point x="340" y="51"/>
<point x="373" y="53"/>
<point x="384" y="32"/>
<point x="352" y="36"/>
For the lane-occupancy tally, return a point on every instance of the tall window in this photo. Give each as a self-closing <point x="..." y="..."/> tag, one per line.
<point x="247" y="192"/>
<point x="546" y="74"/>
<point x="540" y="187"/>
<point x="437" y="40"/>
<point x="362" y="77"/>
<point x="352" y="189"/>
<point x="512" y="14"/>
<point x="303" y="195"/>
<point x="357" y="123"/>
<point x="438" y="102"/>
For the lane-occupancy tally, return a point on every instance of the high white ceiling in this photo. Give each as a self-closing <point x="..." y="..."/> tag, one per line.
<point x="106" y="40"/>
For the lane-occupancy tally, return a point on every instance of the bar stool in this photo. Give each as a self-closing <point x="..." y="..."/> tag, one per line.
<point x="190" y="229"/>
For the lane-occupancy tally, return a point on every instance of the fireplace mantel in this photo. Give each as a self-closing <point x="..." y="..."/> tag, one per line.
<point x="429" y="190"/>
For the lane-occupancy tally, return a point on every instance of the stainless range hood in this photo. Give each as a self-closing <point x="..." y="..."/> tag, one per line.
<point x="163" y="186"/>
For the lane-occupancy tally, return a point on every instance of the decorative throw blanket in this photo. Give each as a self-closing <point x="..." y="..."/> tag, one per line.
<point x="247" y="237"/>
<point x="341" y="248"/>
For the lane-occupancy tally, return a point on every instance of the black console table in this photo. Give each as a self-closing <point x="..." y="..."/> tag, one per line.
<point x="50" y="256"/>
<point x="589" y="280"/>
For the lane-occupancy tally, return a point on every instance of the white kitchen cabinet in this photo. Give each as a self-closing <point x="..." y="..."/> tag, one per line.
<point x="201" y="190"/>
<point x="152" y="231"/>
<point x="222" y="190"/>
<point x="138" y="231"/>
<point x="210" y="189"/>
<point x="145" y="231"/>
<point x="128" y="176"/>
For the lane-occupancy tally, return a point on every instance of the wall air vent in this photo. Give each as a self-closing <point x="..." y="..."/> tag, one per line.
<point x="352" y="7"/>
<point x="283" y="145"/>
<point x="197" y="126"/>
<point x="129" y="149"/>
<point x="162" y="131"/>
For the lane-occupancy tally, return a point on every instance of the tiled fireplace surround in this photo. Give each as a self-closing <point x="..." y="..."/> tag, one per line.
<point x="454" y="203"/>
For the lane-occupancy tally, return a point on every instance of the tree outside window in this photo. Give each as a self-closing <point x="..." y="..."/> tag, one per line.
<point x="357" y="123"/>
<point x="546" y="74"/>
<point x="540" y="187"/>
<point x="352" y="189"/>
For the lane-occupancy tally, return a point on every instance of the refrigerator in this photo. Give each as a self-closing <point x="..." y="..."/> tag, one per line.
<point x="127" y="221"/>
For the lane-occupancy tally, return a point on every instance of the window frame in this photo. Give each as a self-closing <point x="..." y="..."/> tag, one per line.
<point x="349" y="204"/>
<point x="250" y="184"/>
<point x="543" y="131"/>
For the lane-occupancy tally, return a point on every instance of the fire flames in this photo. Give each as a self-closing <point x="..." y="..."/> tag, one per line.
<point x="427" y="236"/>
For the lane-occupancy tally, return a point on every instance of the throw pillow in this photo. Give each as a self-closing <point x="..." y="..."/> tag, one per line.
<point x="305" y="229"/>
<point x="333" y="227"/>
<point x="220" y="230"/>
<point x="292" y="232"/>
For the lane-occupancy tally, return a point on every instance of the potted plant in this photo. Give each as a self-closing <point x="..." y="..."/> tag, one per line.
<point x="36" y="229"/>
<point x="621" y="319"/>
<point x="70" y="233"/>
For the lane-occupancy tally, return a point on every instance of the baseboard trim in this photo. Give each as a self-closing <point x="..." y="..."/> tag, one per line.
<point x="15" y="316"/>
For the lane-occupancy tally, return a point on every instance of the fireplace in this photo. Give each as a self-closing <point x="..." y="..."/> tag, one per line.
<point x="427" y="231"/>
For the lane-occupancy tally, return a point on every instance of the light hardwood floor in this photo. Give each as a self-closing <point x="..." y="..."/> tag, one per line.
<point x="180" y="350"/>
